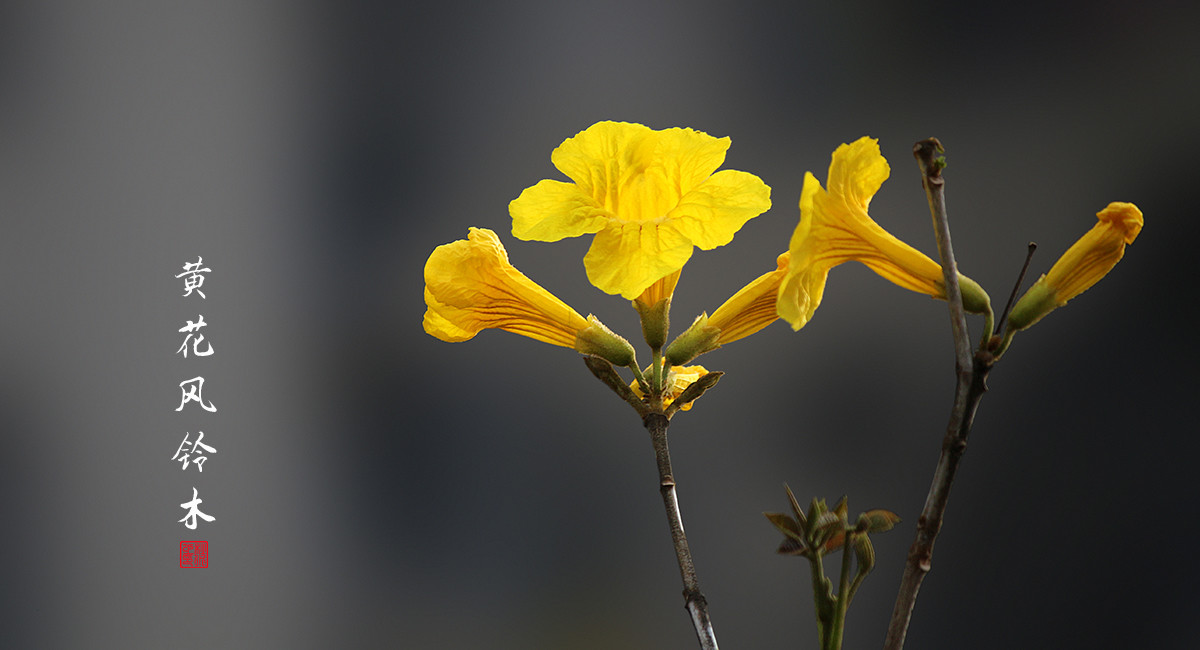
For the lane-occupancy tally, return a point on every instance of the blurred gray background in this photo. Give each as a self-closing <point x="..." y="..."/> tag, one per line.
<point x="375" y="487"/>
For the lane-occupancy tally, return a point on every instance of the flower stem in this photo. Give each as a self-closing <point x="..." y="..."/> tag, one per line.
<point x="821" y="604"/>
<point x="989" y="328"/>
<point x="838" y="627"/>
<point x="971" y="374"/>
<point x="697" y="606"/>
<point x="640" y="378"/>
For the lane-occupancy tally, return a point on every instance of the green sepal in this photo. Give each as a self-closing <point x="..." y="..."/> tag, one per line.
<point x="697" y="339"/>
<point x="655" y="321"/>
<point x="597" y="340"/>
<point x="975" y="300"/>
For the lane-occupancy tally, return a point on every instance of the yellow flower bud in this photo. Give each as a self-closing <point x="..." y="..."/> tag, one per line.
<point x="1084" y="263"/>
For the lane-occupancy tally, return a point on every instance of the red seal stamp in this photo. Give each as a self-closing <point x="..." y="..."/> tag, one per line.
<point x="193" y="555"/>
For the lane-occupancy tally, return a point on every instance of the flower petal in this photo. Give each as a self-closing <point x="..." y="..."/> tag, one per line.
<point x="714" y="211"/>
<point x="603" y="156"/>
<point x="627" y="258"/>
<point x="1124" y="217"/>
<point x="801" y="289"/>
<point x="439" y="326"/>
<point x="553" y="210"/>
<point x="634" y="172"/>
<point x="800" y="294"/>
<point x="857" y="171"/>
<point x="687" y="158"/>
<point x="617" y="165"/>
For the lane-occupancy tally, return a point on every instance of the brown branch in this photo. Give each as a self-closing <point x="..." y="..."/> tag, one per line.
<point x="935" y="191"/>
<point x="604" y="371"/>
<point x="697" y="606"/>
<point x="971" y="374"/>
<point x="656" y="422"/>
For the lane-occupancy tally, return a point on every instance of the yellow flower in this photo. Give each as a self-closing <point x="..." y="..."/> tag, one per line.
<point x="679" y="378"/>
<point x="835" y="228"/>
<point x="470" y="286"/>
<point x="1084" y="263"/>
<point x="648" y="196"/>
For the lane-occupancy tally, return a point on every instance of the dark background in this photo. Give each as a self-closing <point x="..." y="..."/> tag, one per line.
<point x="375" y="487"/>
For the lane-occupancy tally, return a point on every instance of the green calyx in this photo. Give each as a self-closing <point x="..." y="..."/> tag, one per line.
<point x="596" y="339"/>
<point x="1040" y="300"/>
<point x="975" y="299"/>
<point x="655" y="321"/>
<point x="699" y="338"/>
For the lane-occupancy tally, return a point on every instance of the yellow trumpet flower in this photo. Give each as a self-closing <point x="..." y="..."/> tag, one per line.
<point x="835" y="228"/>
<point x="648" y="196"/>
<point x="1084" y="263"/>
<point x="470" y="286"/>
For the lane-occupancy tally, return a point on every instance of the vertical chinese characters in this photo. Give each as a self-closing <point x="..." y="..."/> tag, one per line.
<point x="194" y="452"/>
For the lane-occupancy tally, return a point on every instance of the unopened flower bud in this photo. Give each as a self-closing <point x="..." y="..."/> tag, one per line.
<point x="1084" y="264"/>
